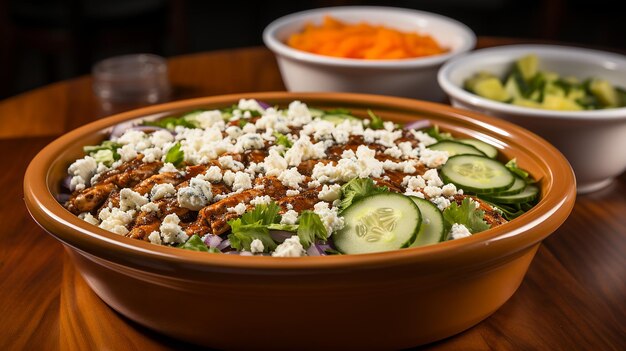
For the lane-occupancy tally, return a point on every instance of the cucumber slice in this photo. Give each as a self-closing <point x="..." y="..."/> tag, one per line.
<point x="528" y="66"/>
<point x="485" y="148"/>
<point x="518" y="186"/>
<point x="316" y="112"/>
<point x="339" y="118"/>
<point x="381" y="222"/>
<point x="479" y="174"/>
<point x="432" y="229"/>
<point x="529" y="193"/>
<point x="456" y="148"/>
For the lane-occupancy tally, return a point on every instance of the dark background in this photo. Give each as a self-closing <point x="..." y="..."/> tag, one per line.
<point x="42" y="41"/>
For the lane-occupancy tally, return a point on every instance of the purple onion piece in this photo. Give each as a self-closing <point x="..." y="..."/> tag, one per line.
<point x="313" y="251"/>
<point x="281" y="235"/>
<point x="213" y="240"/>
<point x="232" y="252"/>
<point x="224" y="244"/>
<point x="420" y="124"/>
<point x="263" y="104"/>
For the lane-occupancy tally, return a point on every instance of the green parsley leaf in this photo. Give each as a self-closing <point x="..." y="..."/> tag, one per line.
<point x="106" y="152"/>
<point x="283" y="227"/>
<point x="376" y="122"/>
<point x="356" y="189"/>
<point x="194" y="243"/>
<point x="254" y="225"/>
<point x="435" y="133"/>
<point x="242" y="235"/>
<point x="265" y="214"/>
<point x="338" y="111"/>
<point x="466" y="214"/>
<point x="172" y="122"/>
<point x="310" y="228"/>
<point x="281" y="139"/>
<point x="175" y="155"/>
<point x="512" y="166"/>
<point x="242" y="122"/>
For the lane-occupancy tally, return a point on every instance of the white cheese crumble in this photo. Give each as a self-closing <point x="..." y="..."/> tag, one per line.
<point x="292" y="192"/>
<point x="291" y="178"/>
<point x="127" y="152"/>
<point x="171" y="232"/>
<point x="89" y="218"/>
<point x="167" y="168"/>
<point x="261" y="200"/>
<point x="229" y="163"/>
<point x="330" y="193"/>
<point x="274" y="163"/>
<point x="256" y="246"/>
<point x="195" y="196"/>
<point x="289" y="217"/>
<point x="160" y="191"/>
<point x="115" y="220"/>
<point x="459" y="231"/>
<point x="155" y="238"/>
<point x="432" y="158"/>
<point x="131" y="200"/>
<point x="149" y="207"/>
<point x="242" y="181"/>
<point x="331" y="220"/>
<point x="213" y="174"/>
<point x="303" y="149"/>
<point x="290" y="248"/>
<point x="82" y="170"/>
<point x="239" y="209"/>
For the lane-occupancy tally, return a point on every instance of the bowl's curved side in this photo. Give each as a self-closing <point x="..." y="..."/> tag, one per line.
<point x="417" y="295"/>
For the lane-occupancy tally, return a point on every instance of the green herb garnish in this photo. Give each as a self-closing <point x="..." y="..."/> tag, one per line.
<point x="254" y="225"/>
<point x="175" y="155"/>
<point x="106" y="152"/>
<point x="310" y="228"/>
<point x="282" y="139"/>
<point x="356" y="189"/>
<point x="466" y="214"/>
<point x="194" y="243"/>
<point x="512" y="166"/>
<point x="376" y="122"/>
<point x="172" y="122"/>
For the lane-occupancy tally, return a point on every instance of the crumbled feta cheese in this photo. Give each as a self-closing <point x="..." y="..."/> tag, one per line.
<point x="459" y="231"/>
<point x="242" y="181"/>
<point x="303" y="149"/>
<point x="155" y="238"/>
<point x="432" y="177"/>
<point x="152" y="154"/>
<point x="410" y="192"/>
<point x="89" y="218"/>
<point x="229" y="163"/>
<point x="256" y="246"/>
<point x="448" y="190"/>
<point x="131" y="200"/>
<point x="136" y="139"/>
<point x="115" y="220"/>
<point x="252" y="141"/>
<point x="423" y="137"/>
<point x="249" y="128"/>
<point x="161" y="137"/>
<point x="160" y="191"/>
<point x="213" y="174"/>
<point x="127" y="153"/>
<point x="171" y="232"/>
<point x="441" y="202"/>
<point x="331" y="220"/>
<point x="432" y="191"/>
<point x="229" y="177"/>
<point x="394" y="152"/>
<point x="249" y="104"/>
<point x="289" y="217"/>
<point x="292" y="192"/>
<point x="82" y="171"/>
<point x="239" y="209"/>
<point x="209" y="119"/>
<point x="149" y="207"/>
<point x="291" y="178"/>
<point x="167" y="168"/>
<point x="414" y="182"/>
<point x="330" y="193"/>
<point x="261" y="200"/>
<point x="234" y="132"/>
<point x="433" y="158"/>
<point x="299" y="113"/>
<point x="290" y="248"/>
<point x="274" y="164"/>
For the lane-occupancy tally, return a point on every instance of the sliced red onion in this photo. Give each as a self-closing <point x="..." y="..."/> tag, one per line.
<point x="263" y="104"/>
<point x="222" y="245"/>
<point x="420" y="124"/>
<point x="281" y="235"/>
<point x="212" y="240"/>
<point x="232" y="252"/>
<point x="313" y="250"/>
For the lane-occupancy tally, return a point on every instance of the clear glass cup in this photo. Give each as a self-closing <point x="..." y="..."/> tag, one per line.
<point x="130" y="81"/>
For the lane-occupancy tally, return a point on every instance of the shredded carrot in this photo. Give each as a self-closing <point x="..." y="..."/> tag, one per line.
<point x="362" y="41"/>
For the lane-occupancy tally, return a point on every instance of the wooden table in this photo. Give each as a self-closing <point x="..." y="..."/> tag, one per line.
<point x="573" y="297"/>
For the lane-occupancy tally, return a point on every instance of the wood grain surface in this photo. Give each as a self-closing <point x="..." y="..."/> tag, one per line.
<point x="573" y="297"/>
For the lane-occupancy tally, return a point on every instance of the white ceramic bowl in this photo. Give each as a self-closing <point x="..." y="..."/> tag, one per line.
<point x="415" y="78"/>
<point x="594" y="142"/>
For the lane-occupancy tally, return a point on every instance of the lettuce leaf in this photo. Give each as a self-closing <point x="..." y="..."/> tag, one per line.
<point x="172" y="122"/>
<point x="194" y="243"/>
<point x="466" y="214"/>
<point x="175" y="155"/>
<point x="282" y="139"/>
<point x="310" y="228"/>
<point x="106" y="152"/>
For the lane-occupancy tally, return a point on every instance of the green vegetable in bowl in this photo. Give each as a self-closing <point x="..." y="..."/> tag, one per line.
<point x="527" y="85"/>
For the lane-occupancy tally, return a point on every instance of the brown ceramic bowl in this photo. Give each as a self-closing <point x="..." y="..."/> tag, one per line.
<point x="386" y="300"/>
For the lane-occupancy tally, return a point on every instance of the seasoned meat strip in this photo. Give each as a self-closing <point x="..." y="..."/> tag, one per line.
<point x="89" y="199"/>
<point x="492" y="217"/>
<point x="145" y="223"/>
<point x="301" y="202"/>
<point x="146" y="185"/>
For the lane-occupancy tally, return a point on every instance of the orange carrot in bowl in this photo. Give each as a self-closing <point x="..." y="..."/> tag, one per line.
<point x="362" y="41"/>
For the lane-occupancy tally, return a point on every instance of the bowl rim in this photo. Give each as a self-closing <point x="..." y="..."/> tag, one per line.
<point x="71" y="230"/>
<point x="279" y="48"/>
<point x="513" y="51"/>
